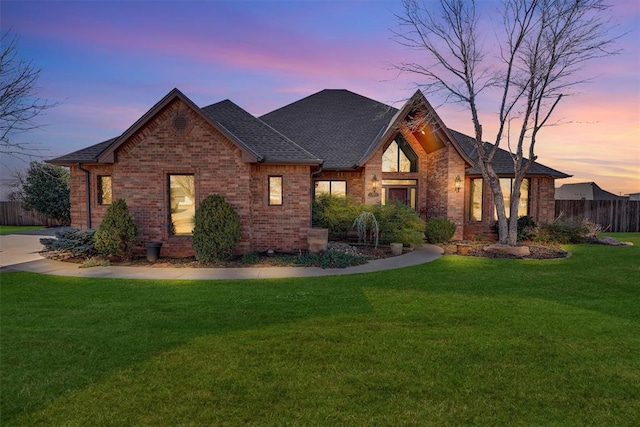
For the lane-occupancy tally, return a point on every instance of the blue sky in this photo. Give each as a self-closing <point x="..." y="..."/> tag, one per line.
<point x="107" y="62"/>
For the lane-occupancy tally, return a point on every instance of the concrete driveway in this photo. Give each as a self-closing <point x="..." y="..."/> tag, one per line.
<point x="22" y="247"/>
<point x="19" y="252"/>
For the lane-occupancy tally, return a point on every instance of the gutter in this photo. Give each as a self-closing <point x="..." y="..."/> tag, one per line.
<point x="311" y="191"/>
<point x="87" y="175"/>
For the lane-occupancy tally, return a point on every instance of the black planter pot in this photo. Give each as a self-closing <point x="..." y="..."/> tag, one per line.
<point x="153" y="251"/>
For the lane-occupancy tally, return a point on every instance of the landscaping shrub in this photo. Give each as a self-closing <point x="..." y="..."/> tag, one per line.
<point x="439" y="230"/>
<point x="335" y="213"/>
<point x="565" y="231"/>
<point x="330" y="259"/>
<point x="399" y="223"/>
<point x="396" y="222"/>
<point x="216" y="231"/>
<point x="71" y="242"/>
<point x="117" y="232"/>
<point x="527" y="228"/>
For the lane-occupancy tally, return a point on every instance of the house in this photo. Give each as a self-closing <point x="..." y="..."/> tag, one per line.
<point x="634" y="197"/>
<point x="270" y="168"/>
<point x="585" y="191"/>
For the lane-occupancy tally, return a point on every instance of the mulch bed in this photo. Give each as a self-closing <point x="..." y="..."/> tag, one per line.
<point x="474" y="249"/>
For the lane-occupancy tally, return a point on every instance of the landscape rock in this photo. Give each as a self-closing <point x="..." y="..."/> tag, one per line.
<point x="610" y="241"/>
<point x="516" y="251"/>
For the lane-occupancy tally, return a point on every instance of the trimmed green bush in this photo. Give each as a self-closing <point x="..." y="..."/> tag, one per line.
<point x="396" y="222"/>
<point x="439" y="230"/>
<point x="117" y="232"/>
<point x="399" y="223"/>
<point x="216" y="231"/>
<point x="335" y="213"/>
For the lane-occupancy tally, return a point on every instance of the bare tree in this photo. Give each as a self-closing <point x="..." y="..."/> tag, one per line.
<point x="540" y="47"/>
<point x="18" y="104"/>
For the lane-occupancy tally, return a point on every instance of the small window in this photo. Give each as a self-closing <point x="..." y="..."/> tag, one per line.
<point x="105" y="195"/>
<point x="182" y="204"/>
<point x="399" y="157"/>
<point x="334" y="188"/>
<point x="475" y="211"/>
<point x="275" y="191"/>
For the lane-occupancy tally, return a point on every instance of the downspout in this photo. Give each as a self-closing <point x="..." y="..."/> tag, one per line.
<point x="87" y="175"/>
<point x="311" y="191"/>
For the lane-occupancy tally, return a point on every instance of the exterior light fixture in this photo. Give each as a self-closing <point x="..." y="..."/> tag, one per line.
<point x="374" y="186"/>
<point x="457" y="183"/>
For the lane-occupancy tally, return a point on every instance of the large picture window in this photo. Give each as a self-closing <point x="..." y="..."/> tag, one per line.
<point x="182" y="203"/>
<point x="475" y="203"/>
<point x="334" y="188"/>
<point x="275" y="191"/>
<point x="399" y="157"/>
<point x="506" y="184"/>
<point x="105" y="195"/>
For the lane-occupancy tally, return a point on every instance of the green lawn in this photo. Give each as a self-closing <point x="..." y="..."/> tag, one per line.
<point x="457" y="341"/>
<point x="12" y="229"/>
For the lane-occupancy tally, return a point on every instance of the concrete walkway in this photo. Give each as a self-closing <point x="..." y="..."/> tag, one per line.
<point x="19" y="252"/>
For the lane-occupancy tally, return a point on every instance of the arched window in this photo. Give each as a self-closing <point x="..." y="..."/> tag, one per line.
<point x="399" y="157"/>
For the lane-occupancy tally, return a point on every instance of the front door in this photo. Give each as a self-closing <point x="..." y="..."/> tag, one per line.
<point x="398" y="195"/>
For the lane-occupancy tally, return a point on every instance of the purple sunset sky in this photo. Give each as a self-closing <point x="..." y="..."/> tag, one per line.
<point x="107" y="62"/>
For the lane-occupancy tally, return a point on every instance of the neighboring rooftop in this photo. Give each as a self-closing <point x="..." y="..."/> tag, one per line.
<point x="585" y="191"/>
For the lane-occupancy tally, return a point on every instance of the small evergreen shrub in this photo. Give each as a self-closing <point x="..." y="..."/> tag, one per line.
<point x="527" y="228"/>
<point x="330" y="259"/>
<point x="216" y="231"/>
<point x="117" y="232"/>
<point x="439" y="230"/>
<point x="335" y="213"/>
<point x="70" y="242"/>
<point x="399" y="223"/>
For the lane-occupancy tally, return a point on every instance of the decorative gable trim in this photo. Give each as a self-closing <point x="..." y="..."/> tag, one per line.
<point x="441" y="132"/>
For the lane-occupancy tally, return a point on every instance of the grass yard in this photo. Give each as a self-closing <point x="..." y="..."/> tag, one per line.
<point x="12" y="229"/>
<point x="458" y="341"/>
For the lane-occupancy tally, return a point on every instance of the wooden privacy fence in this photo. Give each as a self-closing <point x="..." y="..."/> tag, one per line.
<point x="615" y="215"/>
<point x="11" y="213"/>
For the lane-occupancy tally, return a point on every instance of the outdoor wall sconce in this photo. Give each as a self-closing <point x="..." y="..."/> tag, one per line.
<point x="457" y="183"/>
<point x="374" y="186"/>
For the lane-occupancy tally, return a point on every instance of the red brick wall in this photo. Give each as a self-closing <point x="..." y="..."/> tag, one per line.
<point x="140" y="176"/>
<point x="282" y="228"/>
<point x="444" y="165"/>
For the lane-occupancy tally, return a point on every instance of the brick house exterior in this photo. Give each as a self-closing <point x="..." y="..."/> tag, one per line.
<point x="269" y="168"/>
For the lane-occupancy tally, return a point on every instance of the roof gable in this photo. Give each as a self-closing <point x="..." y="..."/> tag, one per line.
<point x="108" y="155"/>
<point x="416" y="116"/>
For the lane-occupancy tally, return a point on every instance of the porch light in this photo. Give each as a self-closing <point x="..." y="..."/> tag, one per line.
<point x="457" y="183"/>
<point x="374" y="187"/>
